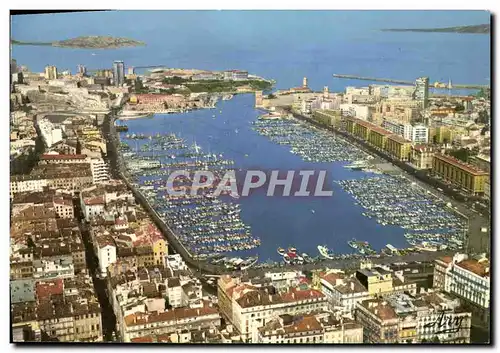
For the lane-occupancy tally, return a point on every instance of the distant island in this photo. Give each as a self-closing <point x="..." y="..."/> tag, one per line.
<point x="87" y="42"/>
<point x="478" y="29"/>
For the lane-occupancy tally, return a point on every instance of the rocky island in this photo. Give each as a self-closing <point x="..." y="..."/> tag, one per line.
<point x="478" y="29"/>
<point x="87" y="42"/>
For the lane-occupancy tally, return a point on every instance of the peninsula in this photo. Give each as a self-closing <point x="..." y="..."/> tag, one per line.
<point x="477" y="29"/>
<point x="87" y="42"/>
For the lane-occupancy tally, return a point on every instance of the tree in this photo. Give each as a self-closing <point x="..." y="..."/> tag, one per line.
<point x="271" y="96"/>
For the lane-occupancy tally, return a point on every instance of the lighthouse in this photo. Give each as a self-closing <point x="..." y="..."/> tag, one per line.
<point x="304" y="82"/>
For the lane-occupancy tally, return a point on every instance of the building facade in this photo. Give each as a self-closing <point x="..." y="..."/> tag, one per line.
<point x="465" y="176"/>
<point x="118" y="73"/>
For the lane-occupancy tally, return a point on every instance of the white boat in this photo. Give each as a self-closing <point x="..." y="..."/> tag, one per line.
<point x="426" y="247"/>
<point x="323" y="250"/>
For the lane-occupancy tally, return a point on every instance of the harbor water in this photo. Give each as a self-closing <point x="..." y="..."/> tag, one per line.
<point x="302" y="222"/>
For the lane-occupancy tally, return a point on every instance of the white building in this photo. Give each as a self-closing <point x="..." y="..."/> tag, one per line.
<point x="99" y="169"/>
<point x="106" y="252"/>
<point x="174" y="292"/>
<point x="23" y="183"/>
<point x="359" y="111"/>
<point x="50" y="133"/>
<point x="175" y="262"/>
<point x="235" y="75"/>
<point x="343" y="294"/>
<point x="467" y="278"/>
<point x="58" y="267"/>
<point x="360" y="91"/>
<point x="420" y="134"/>
<point x="284" y="279"/>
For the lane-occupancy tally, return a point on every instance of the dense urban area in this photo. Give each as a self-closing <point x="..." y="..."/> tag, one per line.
<point x="92" y="261"/>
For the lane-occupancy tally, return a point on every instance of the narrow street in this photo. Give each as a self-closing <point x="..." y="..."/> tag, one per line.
<point x="108" y="316"/>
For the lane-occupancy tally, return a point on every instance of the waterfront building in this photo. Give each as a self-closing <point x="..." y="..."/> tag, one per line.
<point x="467" y="278"/>
<point x="118" y="73"/>
<point x="130" y="71"/>
<point x="463" y="175"/>
<point x="422" y="156"/>
<point x="235" y="75"/>
<point x="322" y="328"/>
<point x="328" y="117"/>
<point x="421" y="92"/>
<point x="50" y="72"/>
<point x="405" y="318"/>
<point x="398" y="147"/>
<point x="248" y="307"/>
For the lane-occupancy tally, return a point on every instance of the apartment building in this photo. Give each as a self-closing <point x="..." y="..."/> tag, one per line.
<point x="345" y="292"/>
<point x="422" y="156"/>
<point x="405" y="318"/>
<point x="25" y="183"/>
<point x="248" y="307"/>
<point x="468" y="278"/>
<point x="322" y="328"/>
<point x="139" y="324"/>
<point x="463" y="175"/>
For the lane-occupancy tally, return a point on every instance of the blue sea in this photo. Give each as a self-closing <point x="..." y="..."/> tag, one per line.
<point x="285" y="46"/>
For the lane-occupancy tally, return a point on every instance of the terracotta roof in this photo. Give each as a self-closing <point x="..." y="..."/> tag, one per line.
<point x="398" y="138"/>
<point x="445" y="259"/>
<point x="332" y="278"/>
<point x="171" y="315"/>
<point x="479" y="268"/>
<point x="457" y="163"/>
<point x="49" y="288"/>
<point x="380" y="308"/>
<point x="94" y="201"/>
<point x="144" y="339"/>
